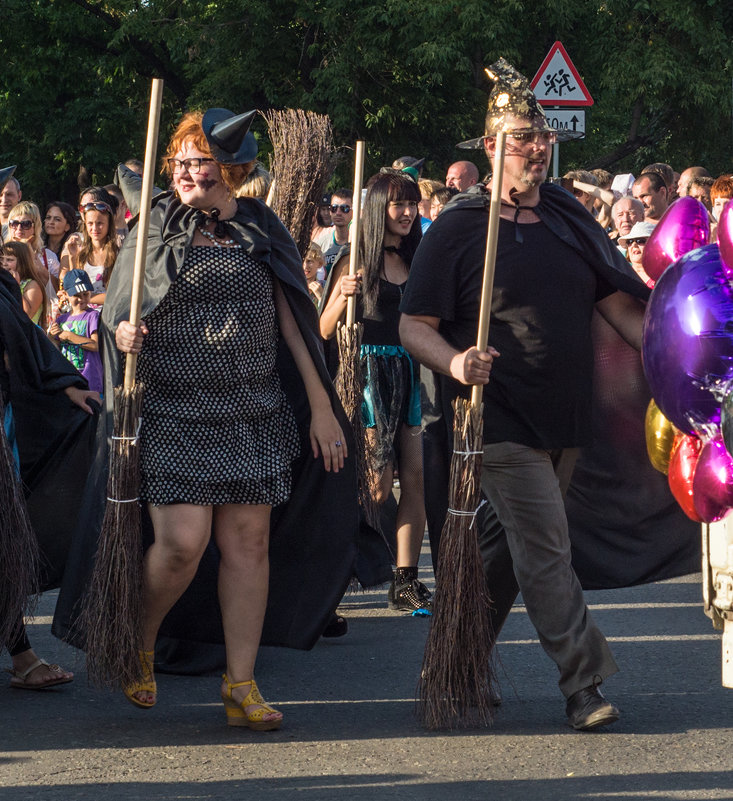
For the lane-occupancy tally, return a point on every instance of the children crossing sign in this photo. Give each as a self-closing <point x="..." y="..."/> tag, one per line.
<point x="557" y="82"/>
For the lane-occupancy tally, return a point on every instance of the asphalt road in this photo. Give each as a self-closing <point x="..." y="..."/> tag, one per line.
<point x="350" y="733"/>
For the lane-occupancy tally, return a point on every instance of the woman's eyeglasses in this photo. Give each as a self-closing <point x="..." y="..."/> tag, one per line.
<point x="641" y="241"/>
<point x="192" y="166"/>
<point x="345" y="209"/>
<point x="96" y="206"/>
<point x="24" y="225"/>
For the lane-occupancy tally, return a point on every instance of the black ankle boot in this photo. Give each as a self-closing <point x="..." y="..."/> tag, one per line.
<point x="408" y="594"/>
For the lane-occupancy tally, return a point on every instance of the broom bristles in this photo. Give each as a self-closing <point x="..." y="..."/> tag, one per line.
<point x="112" y="615"/>
<point x="304" y="159"/>
<point x="458" y="673"/>
<point x="349" y="385"/>
<point x="18" y="546"/>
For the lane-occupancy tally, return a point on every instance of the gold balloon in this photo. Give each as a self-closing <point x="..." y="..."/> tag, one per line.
<point x="660" y="434"/>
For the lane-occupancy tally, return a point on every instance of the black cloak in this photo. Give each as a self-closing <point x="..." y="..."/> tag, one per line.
<point x="625" y="527"/>
<point x="54" y="436"/>
<point x="313" y="535"/>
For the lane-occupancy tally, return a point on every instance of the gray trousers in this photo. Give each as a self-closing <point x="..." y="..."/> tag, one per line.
<point x="525" y="546"/>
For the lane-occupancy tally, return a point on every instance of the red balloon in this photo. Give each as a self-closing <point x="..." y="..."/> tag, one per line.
<point x="682" y="466"/>
<point x="725" y="237"/>
<point x="712" y="484"/>
<point x="683" y="227"/>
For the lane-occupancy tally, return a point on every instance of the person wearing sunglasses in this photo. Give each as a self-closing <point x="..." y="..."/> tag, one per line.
<point x="24" y="225"/>
<point x="238" y="416"/>
<point x="554" y="265"/>
<point x="341" y="214"/>
<point x="634" y="242"/>
<point x="94" y="249"/>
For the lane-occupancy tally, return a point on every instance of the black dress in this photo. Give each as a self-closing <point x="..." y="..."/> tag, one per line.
<point x="217" y="428"/>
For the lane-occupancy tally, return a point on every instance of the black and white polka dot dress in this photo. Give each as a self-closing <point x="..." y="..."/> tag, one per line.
<point x="217" y="428"/>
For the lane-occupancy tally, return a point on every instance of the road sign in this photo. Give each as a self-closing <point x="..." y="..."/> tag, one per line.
<point x="557" y="82"/>
<point x="571" y="120"/>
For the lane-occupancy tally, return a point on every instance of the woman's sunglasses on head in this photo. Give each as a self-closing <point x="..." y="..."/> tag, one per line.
<point x="96" y="206"/>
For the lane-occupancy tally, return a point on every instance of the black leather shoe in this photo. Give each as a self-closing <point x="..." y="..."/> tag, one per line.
<point x="588" y="709"/>
<point x="337" y="626"/>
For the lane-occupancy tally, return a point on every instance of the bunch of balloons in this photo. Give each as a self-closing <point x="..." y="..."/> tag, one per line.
<point x="688" y="357"/>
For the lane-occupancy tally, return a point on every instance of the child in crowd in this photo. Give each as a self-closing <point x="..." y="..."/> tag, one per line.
<point x="19" y="261"/>
<point x="313" y="264"/>
<point x="77" y="330"/>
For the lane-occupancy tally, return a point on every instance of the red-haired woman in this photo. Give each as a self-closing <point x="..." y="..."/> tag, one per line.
<point x="224" y="284"/>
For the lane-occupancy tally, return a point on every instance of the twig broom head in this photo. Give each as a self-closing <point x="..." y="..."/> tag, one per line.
<point x="304" y="159"/>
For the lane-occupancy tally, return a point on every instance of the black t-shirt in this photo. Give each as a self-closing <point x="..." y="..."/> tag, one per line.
<point x="381" y="327"/>
<point x="540" y="389"/>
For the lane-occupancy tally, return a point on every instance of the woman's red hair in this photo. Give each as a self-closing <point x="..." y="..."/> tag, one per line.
<point x="189" y="130"/>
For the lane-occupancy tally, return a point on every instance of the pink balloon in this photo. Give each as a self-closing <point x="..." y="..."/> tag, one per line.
<point x="725" y="237"/>
<point x="683" y="227"/>
<point x="712" y="485"/>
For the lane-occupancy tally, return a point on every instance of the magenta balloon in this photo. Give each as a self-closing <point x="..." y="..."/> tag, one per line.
<point x="712" y="485"/>
<point x="683" y="227"/>
<point x="688" y="338"/>
<point x="725" y="237"/>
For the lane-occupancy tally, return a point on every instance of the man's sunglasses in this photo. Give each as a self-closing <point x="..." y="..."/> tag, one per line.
<point x="345" y="209"/>
<point x="96" y="206"/>
<point x="24" y="224"/>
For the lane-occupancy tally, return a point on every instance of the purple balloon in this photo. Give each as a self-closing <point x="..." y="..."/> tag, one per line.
<point x="687" y="343"/>
<point x="712" y="486"/>
<point x="683" y="227"/>
<point x="725" y="237"/>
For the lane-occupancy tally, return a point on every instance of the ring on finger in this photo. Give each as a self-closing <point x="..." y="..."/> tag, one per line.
<point x="338" y="443"/>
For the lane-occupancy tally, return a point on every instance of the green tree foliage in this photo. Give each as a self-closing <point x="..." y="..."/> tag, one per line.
<point x="406" y="76"/>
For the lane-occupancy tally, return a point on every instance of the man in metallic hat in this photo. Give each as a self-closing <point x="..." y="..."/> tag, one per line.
<point x="554" y="264"/>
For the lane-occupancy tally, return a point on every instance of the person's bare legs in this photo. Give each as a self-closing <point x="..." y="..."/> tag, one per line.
<point x="242" y="534"/>
<point x="182" y="532"/>
<point x="411" y="508"/>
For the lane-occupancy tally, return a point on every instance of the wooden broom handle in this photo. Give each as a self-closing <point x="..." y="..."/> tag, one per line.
<point x="487" y="288"/>
<point x="143" y="223"/>
<point x="355" y="227"/>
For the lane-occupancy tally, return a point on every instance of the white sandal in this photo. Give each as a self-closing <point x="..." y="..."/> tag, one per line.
<point x="19" y="680"/>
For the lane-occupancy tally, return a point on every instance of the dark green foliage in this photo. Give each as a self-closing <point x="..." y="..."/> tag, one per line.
<point x="406" y="76"/>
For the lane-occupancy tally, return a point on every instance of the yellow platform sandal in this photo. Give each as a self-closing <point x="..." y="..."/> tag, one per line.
<point x="255" y="719"/>
<point x="147" y="685"/>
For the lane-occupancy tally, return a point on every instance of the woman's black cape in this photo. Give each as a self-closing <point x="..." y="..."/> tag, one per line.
<point x="54" y="437"/>
<point x="313" y="536"/>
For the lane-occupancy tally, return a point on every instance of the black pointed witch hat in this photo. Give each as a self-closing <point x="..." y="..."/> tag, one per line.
<point x="228" y="135"/>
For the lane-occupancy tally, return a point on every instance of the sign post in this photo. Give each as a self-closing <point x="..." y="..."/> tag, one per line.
<point x="557" y="84"/>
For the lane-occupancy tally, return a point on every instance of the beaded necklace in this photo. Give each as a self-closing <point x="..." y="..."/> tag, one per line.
<point x="220" y="231"/>
<point x="219" y="243"/>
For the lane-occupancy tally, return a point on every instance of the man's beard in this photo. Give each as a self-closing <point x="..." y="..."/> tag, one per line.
<point x="531" y="183"/>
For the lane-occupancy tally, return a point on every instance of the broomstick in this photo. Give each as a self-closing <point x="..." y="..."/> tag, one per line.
<point x="457" y="672"/>
<point x="349" y="379"/>
<point x="113" y="613"/>
<point x="18" y="545"/>
<point x="303" y="162"/>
